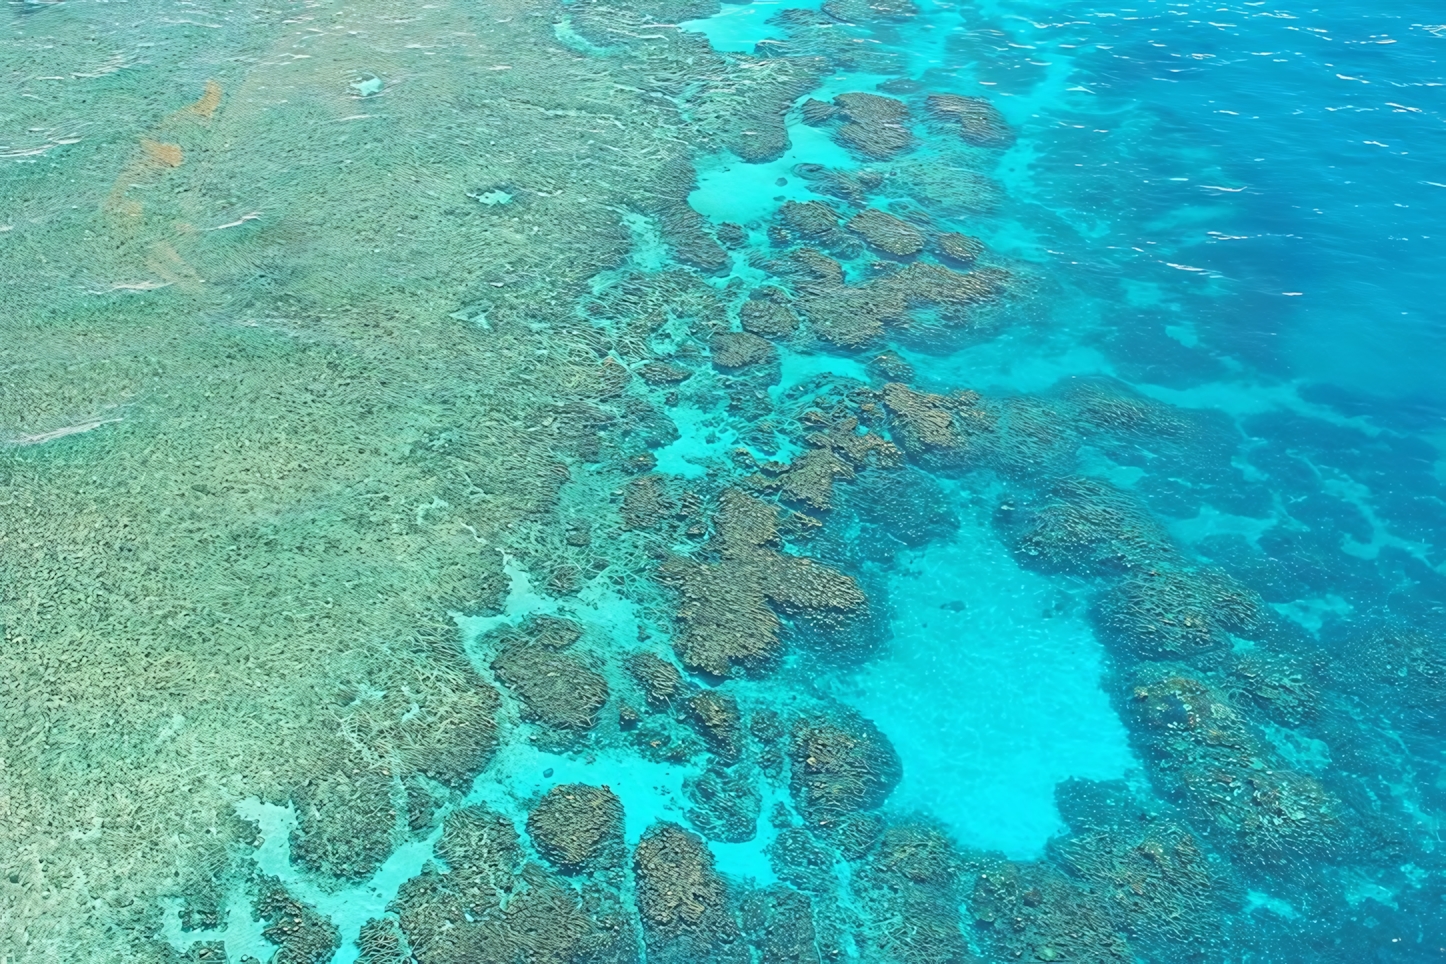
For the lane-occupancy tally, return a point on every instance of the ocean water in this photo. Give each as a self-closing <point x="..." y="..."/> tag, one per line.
<point x="475" y="485"/>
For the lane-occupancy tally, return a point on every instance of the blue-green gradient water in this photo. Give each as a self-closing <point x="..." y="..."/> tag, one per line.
<point x="461" y="509"/>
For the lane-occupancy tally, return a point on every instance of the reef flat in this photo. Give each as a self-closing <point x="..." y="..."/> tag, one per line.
<point x="568" y="482"/>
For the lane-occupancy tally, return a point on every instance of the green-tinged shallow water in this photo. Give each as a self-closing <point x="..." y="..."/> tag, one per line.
<point x="900" y="482"/>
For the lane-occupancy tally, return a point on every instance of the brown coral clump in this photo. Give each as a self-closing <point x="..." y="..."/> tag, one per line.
<point x="556" y="690"/>
<point x="683" y="901"/>
<point x="887" y="233"/>
<point x="492" y="905"/>
<point x="724" y="610"/>
<point x="768" y="317"/>
<point x="739" y="349"/>
<point x="979" y="122"/>
<point x="660" y="679"/>
<point x="960" y="247"/>
<point x="810" y="477"/>
<point x="715" y="716"/>
<point x="646" y="503"/>
<point x="663" y="373"/>
<point x="875" y="126"/>
<point x="1205" y="753"/>
<point x="815" y="112"/>
<point x="1032" y="911"/>
<point x="574" y="824"/>
<point x="842" y="764"/>
<point x="344" y="822"/>
<point x="811" y="219"/>
<point x="302" y="935"/>
<point x="1169" y="611"/>
<point x="779" y="923"/>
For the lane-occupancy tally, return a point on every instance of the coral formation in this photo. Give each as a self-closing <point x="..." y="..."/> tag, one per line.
<point x="960" y="247"/>
<point x="1173" y="611"/>
<point x="739" y="349"/>
<point x="555" y="689"/>
<point x="726" y="608"/>
<point x="1032" y="911"/>
<point x="979" y="122"/>
<point x="660" y="679"/>
<point x="854" y="315"/>
<point x="842" y="764"/>
<point x="887" y="233"/>
<point x="574" y="825"/>
<point x="909" y="885"/>
<point x="779" y="922"/>
<point x="493" y="907"/>
<point x="1203" y="752"/>
<point x="344" y="822"/>
<point x="683" y="902"/>
<point x="726" y="804"/>
<point x="768" y="314"/>
<point x="1085" y="526"/>
<point x="903" y="507"/>
<point x="874" y="126"/>
<point x="716" y="718"/>
<point x="381" y="942"/>
<point x="301" y="935"/>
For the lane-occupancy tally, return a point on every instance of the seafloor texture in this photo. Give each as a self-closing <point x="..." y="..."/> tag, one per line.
<point x="521" y="481"/>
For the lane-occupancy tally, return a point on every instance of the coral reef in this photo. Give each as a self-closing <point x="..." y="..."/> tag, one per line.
<point x="344" y="822"/>
<point x="1084" y="526"/>
<point x="909" y="886"/>
<point x="684" y="904"/>
<point x="1173" y="611"/>
<point x="726" y="608"/>
<point x="887" y="233"/>
<point x="1204" y="753"/>
<point x="960" y="247"/>
<point x="1032" y="911"/>
<point x="492" y="907"/>
<point x="716" y="718"/>
<point x="874" y="126"/>
<point x="575" y="825"/>
<point x="739" y="349"/>
<point x="900" y="508"/>
<point x="381" y="942"/>
<point x="301" y="935"/>
<point x="660" y="680"/>
<point x="556" y="690"/>
<point x="779" y="923"/>
<point x="842" y="764"/>
<point x="726" y="804"/>
<point x="979" y="122"/>
<point x="854" y="315"/>
<point x="768" y="315"/>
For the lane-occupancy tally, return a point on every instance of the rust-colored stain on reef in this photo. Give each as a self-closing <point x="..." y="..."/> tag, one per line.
<point x="163" y="152"/>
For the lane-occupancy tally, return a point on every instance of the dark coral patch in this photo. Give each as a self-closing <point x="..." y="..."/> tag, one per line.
<point x="886" y="232"/>
<point x="683" y="902"/>
<point x="979" y="122"/>
<point x="1171" y="611"/>
<point x="575" y="824"/>
<point x="554" y="689"/>
<point x="842" y="764"/>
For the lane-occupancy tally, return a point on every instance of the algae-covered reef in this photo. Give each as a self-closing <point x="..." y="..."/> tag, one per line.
<point x="283" y="374"/>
